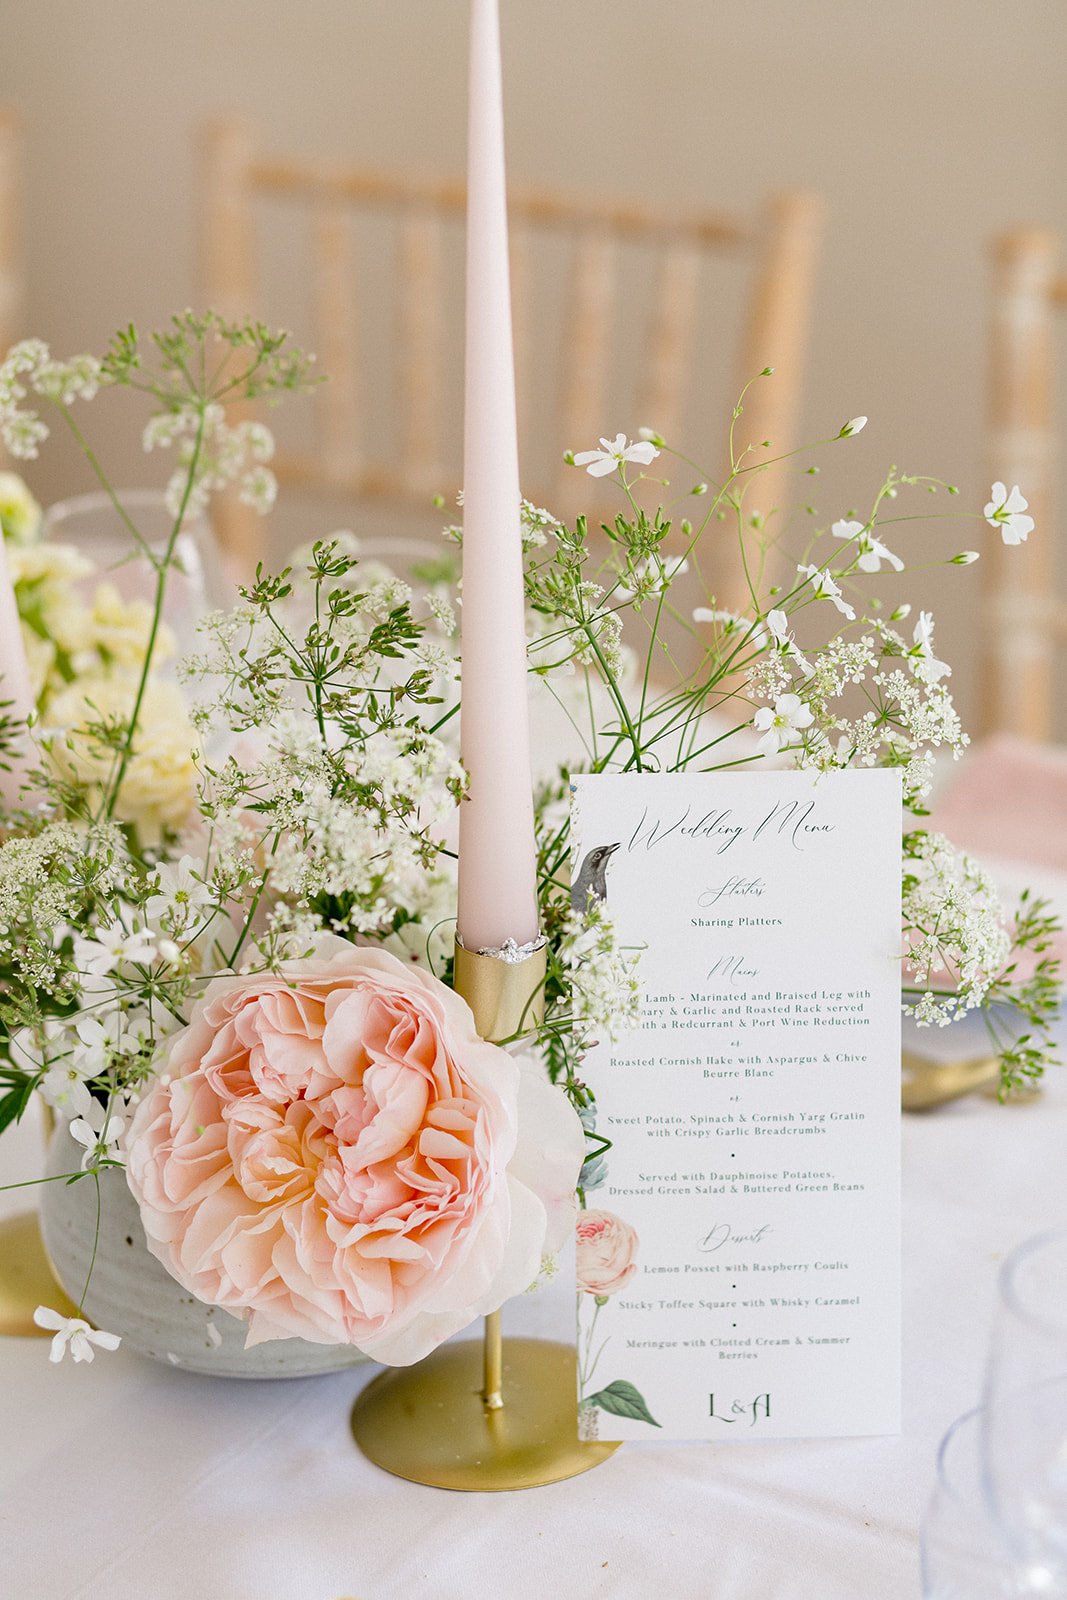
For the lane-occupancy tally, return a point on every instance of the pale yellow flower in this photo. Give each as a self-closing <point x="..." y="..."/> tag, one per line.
<point x="40" y="659"/>
<point x="120" y="629"/>
<point x="159" y="790"/>
<point x="20" y="515"/>
<point x="47" y="564"/>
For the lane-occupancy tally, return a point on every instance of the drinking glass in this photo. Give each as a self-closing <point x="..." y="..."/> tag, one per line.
<point x="1025" y="1426"/>
<point x="965" y="1555"/>
<point x="195" y="583"/>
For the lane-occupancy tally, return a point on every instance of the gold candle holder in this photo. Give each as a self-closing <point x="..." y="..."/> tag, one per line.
<point x="489" y="1414"/>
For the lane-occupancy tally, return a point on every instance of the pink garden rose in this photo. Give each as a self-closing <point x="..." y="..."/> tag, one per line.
<point x="335" y="1154"/>
<point x="607" y="1247"/>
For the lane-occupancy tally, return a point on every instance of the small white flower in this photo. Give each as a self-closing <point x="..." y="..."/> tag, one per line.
<point x="612" y="454"/>
<point x="73" y="1334"/>
<point x="1005" y="511"/>
<point x="871" y="552"/>
<point x="782" y="634"/>
<point x="181" y="894"/>
<point x="826" y="589"/>
<point x="926" y="665"/>
<point x="733" y="624"/>
<point x="790" y="714"/>
<point x="856" y="425"/>
<point x="63" y="1087"/>
<point x="112" y="947"/>
<point x="101" y="1146"/>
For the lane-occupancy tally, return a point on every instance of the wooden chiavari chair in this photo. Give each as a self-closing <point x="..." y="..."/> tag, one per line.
<point x="1024" y="624"/>
<point x="782" y="244"/>
<point x="12" y="282"/>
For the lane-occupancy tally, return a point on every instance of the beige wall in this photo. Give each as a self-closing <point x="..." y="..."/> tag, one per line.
<point x="926" y="126"/>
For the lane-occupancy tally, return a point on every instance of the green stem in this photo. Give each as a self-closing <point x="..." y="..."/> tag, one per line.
<point x="162" y="571"/>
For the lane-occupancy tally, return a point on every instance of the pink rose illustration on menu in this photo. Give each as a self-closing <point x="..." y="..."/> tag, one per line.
<point x="606" y="1249"/>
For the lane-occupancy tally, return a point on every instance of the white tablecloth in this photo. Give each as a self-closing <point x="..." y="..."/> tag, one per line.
<point x="130" y="1481"/>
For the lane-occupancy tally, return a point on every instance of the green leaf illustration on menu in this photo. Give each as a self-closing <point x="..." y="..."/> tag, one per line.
<point x="623" y="1400"/>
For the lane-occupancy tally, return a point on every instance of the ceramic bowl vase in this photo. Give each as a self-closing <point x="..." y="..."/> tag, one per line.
<point x="133" y="1295"/>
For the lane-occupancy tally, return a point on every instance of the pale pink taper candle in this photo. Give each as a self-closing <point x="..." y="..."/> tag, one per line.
<point x="497" y="860"/>
<point x="14" y="675"/>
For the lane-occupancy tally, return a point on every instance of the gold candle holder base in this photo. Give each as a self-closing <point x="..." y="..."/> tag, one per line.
<point x="496" y="1414"/>
<point x="26" y="1279"/>
<point x="430" y="1423"/>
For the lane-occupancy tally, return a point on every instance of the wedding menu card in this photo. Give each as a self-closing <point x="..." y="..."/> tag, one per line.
<point x="739" y="1255"/>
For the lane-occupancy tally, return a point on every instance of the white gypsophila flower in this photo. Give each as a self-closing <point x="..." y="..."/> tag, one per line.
<point x="870" y="552"/>
<point x="778" y="726"/>
<point x="925" y="664"/>
<point x="826" y="589"/>
<point x="1006" y="512"/>
<point x="613" y="453"/>
<point x="782" y="634"/>
<point x="604" y="988"/>
<point x="99" y="1145"/>
<point x="855" y="425"/>
<point x="732" y="625"/>
<point x="73" y="1334"/>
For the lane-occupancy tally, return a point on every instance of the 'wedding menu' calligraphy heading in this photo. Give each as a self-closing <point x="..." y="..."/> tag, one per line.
<point x="797" y="821"/>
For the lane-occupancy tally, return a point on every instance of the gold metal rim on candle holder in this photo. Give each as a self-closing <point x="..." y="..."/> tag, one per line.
<point x="430" y="1423"/>
<point x="26" y="1279"/>
<point x="505" y="989"/>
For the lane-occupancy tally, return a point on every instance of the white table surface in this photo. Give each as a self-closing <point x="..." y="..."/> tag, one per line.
<point x="131" y="1481"/>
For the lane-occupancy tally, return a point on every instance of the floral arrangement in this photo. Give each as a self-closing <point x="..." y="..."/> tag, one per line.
<point x="227" y="885"/>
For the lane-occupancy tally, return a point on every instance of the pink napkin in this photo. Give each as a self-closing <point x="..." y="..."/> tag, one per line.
<point x="1009" y="802"/>
<point x="1008" y="807"/>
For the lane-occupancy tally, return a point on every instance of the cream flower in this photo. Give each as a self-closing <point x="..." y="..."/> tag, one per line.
<point x="119" y="629"/>
<point x="20" y="515"/>
<point x="159" y="789"/>
<point x="1006" y="512"/>
<point x="613" y="453"/>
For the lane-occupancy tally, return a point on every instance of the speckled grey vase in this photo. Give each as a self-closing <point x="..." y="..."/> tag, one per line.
<point x="133" y="1295"/>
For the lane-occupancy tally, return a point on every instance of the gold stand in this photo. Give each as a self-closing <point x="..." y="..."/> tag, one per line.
<point x="26" y="1279"/>
<point x="486" y="1415"/>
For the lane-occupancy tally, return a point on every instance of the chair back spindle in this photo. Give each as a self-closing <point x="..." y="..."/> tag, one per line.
<point x="1023" y="623"/>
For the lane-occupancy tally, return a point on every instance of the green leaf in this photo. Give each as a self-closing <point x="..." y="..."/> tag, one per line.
<point x="623" y="1400"/>
<point x="12" y="1106"/>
